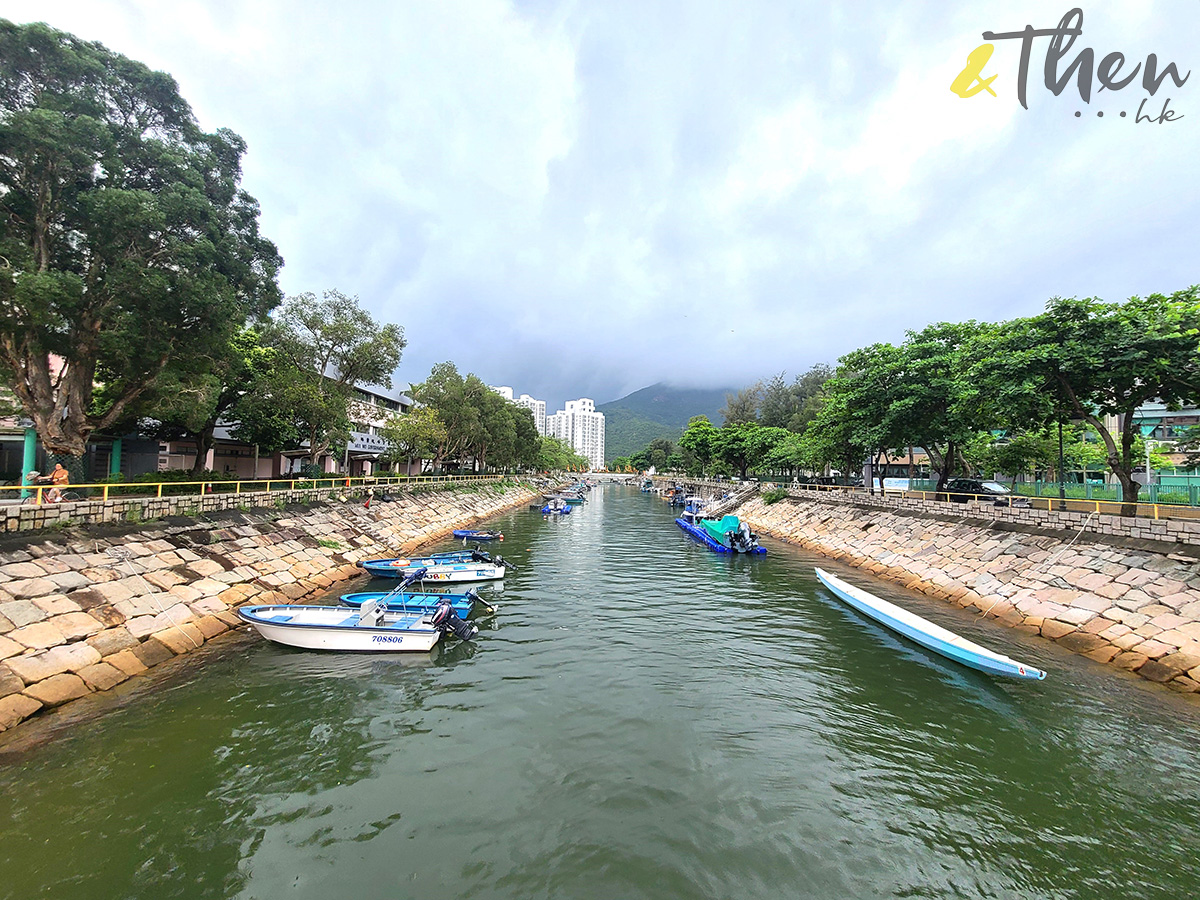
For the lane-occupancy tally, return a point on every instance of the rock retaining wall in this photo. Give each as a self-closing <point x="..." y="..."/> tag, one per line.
<point x="83" y="615"/>
<point x="1125" y="600"/>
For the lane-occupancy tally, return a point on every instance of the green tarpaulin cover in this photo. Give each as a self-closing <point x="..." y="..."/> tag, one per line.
<point x="718" y="529"/>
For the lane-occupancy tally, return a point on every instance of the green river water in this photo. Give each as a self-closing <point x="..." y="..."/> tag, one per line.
<point x="641" y="719"/>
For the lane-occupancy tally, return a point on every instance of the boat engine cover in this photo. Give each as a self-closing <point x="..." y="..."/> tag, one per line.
<point x="445" y="619"/>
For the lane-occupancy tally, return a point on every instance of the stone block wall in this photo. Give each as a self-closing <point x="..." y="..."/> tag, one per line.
<point x="84" y="615"/>
<point x="34" y="517"/>
<point x="1122" y="599"/>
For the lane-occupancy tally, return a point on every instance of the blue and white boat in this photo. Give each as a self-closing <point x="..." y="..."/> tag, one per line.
<point x="470" y="534"/>
<point x="479" y="566"/>
<point x="371" y="628"/>
<point x="725" y="535"/>
<point x="927" y="634"/>
<point x="414" y="601"/>
<point x="556" y="507"/>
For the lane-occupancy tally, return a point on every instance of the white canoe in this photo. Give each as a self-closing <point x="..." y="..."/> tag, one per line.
<point x="339" y="628"/>
<point x="928" y="635"/>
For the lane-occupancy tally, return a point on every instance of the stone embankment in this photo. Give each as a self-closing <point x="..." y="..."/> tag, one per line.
<point x="79" y="615"/>
<point x="1122" y="592"/>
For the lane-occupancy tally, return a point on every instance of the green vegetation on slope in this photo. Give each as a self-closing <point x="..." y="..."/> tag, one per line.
<point x="657" y="411"/>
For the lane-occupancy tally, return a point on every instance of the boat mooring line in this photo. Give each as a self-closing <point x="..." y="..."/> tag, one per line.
<point x="1049" y="562"/>
<point x="119" y="554"/>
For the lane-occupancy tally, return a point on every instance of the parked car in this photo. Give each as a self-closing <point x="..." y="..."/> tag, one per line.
<point x="960" y="490"/>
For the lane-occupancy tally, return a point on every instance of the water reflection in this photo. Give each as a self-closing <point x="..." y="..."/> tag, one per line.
<point x="641" y="718"/>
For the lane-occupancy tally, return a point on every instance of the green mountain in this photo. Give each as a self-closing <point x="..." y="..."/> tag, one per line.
<point x="658" y="411"/>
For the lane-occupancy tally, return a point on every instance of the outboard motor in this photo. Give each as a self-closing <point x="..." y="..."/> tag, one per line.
<point x="447" y="621"/>
<point x="501" y="561"/>
<point x="478" y="555"/>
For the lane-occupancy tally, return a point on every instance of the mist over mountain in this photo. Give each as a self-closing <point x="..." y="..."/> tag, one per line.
<point x="657" y="411"/>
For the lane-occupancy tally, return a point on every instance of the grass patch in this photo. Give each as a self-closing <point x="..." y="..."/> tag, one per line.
<point x="774" y="495"/>
<point x="329" y="543"/>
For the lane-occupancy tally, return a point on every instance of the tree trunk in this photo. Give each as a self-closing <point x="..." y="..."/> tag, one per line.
<point x="204" y="443"/>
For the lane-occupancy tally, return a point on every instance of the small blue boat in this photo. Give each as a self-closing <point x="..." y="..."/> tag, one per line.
<point x="557" y="507"/>
<point x="415" y="602"/>
<point x="468" y="534"/>
<point x="927" y="634"/>
<point x="478" y="566"/>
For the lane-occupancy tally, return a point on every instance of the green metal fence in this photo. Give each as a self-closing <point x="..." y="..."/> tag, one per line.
<point x="1176" y="492"/>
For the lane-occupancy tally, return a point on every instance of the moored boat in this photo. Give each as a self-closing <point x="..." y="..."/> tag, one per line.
<point x="470" y="534"/>
<point x="479" y="567"/>
<point x="927" y="634"/>
<point x="414" y="601"/>
<point x="558" y="506"/>
<point x="725" y="535"/>
<point x="371" y="628"/>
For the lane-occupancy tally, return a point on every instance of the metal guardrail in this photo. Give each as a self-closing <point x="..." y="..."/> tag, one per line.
<point x="36" y="493"/>
<point x="1101" y="507"/>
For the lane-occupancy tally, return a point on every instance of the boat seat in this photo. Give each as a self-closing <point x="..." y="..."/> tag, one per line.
<point x="349" y="621"/>
<point x="279" y="618"/>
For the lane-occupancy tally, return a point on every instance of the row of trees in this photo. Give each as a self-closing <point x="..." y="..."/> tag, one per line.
<point x="1081" y="361"/>
<point x="462" y="420"/>
<point x="975" y="396"/>
<point x="136" y="292"/>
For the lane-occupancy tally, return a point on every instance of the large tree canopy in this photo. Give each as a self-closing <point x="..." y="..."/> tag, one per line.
<point x="332" y="344"/>
<point x="126" y="244"/>
<point x="1106" y="359"/>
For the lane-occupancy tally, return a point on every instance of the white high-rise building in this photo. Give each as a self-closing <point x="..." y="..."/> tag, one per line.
<point x="537" y="407"/>
<point x="582" y="428"/>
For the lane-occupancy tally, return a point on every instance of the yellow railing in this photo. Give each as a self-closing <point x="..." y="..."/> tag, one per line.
<point x="38" y="492"/>
<point x="1099" y="507"/>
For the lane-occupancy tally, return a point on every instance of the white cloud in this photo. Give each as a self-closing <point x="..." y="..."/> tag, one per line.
<point x="580" y="199"/>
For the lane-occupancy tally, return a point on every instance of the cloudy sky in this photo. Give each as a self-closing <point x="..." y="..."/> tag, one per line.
<point x="583" y="198"/>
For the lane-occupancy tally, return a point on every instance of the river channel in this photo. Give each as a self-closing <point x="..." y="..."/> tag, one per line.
<point x="640" y="719"/>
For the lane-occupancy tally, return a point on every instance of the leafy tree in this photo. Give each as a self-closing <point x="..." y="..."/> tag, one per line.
<point x="1017" y="454"/>
<point x="776" y="404"/>
<point x="332" y="345"/>
<point x="191" y="406"/>
<point x="742" y="407"/>
<point x="445" y="392"/>
<point x="127" y="246"/>
<point x="415" y="435"/>
<point x="528" y="443"/>
<point x="659" y="450"/>
<point x="699" y="439"/>
<point x="737" y="446"/>
<point x="918" y="394"/>
<point x="555" y="455"/>
<point x="1107" y="359"/>
<point x="832" y="439"/>
<point x="807" y="391"/>
<point x="1189" y="444"/>
<point x="789" y="454"/>
<point x="792" y="406"/>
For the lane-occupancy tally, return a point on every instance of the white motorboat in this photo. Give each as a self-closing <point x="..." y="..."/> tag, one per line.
<point x="371" y="628"/>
